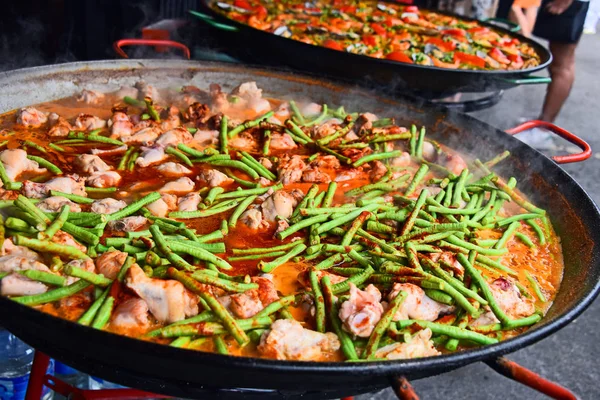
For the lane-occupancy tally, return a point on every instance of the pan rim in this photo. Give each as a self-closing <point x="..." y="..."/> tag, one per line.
<point x="378" y="368"/>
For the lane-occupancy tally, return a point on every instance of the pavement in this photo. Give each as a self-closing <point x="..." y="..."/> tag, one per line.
<point x="570" y="356"/>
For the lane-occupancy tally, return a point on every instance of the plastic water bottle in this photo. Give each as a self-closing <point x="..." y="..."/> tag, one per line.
<point x="16" y="359"/>
<point x="70" y="375"/>
<point x="96" y="383"/>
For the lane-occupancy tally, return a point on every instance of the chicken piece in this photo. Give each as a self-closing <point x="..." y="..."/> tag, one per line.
<point x="197" y="113"/>
<point x="253" y="219"/>
<point x="86" y="265"/>
<point x="104" y="179"/>
<point x="311" y="109"/>
<point x="107" y="206"/>
<point x="282" y="225"/>
<point x="288" y="340"/>
<point x="91" y="164"/>
<point x="509" y="299"/>
<point x="31" y="117"/>
<point x="315" y="175"/>
<point x="365" y="121"/>
<point x="174" y="137"/>
<point x="218" y="99"/>
<point x="9" y="248"/>
<point x="283" y="111"/>
<point x="68" y="184"/>
<point x="244" y="141"/>
<point x="109" y="264"/>
<point x="251" y="302"/>
<point x="347" y="175"/>
<point x="279" y="204"/>
<point x="362" y="311"/>
<point x="378" y="170"/>
<point x="251" y="98"/>
<point x="109" y="152"/>
<point x="132" y="313"/>
<point x="290" y="169"/>
<point x="206" y="137"/>
<point x="417" y="305"/>
<point x="189" y="202"/>
<point x="145" y="90"/>
<point x="16" y="162"/>
<point x="89" y="122"/>
<point x="18" y="285"/>
<point x="181" y="185"/>
<point x="429" y="151"/>
<point x="266" y="163"/>
<point x="162" y="206"/>
<point x="168" y="300"/>
<point x="17" y="261"/>
<point x="56" y="203"/>
<point x="173" y="169"/>
<point x="128" y="224"/>
<point x="327" y="128"/>
<point x="403" y="161"/>
<point x="150" y="155"/>
<point x="66" y="239"/>
<point x="456" y="164"/>
<point x="326" y="162"/>
<point x="214" y="177"/>
<point x="90" y="97"/>
<point x="60" y="127"/>
<point x="120" y="125"/>
<point x="419" y="346"/>
<point x="144" y="137"/>
<point x="282" y="141"/>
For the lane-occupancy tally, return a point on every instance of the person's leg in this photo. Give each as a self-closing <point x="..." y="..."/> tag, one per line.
<point x="531" y="15"/>
<point x="562" y="72"/>
<point x="516" y="15"/>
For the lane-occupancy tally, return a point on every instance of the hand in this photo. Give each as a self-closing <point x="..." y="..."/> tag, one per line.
<point x="557" y="7"/>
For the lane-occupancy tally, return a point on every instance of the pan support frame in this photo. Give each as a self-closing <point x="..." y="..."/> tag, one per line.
<point x="401" y="386"/>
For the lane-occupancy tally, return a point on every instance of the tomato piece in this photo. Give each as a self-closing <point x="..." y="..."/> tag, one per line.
<point x="242" y="4"/>
<point x="332" y="44"/>
<point x="455" y="32"/>
<point x="516" y="60"/>
<point x="479" y="29"/>
<point x="261" y="12"/>
<point x="446" y="46"/>
<point x="470" y="59"/>
<point x="378" y="29"/>
<point x="499" y="56"/>
<point x="370" y="40"/>
<point x="348" y="9"/>
<point x="411" y="9"/>
<point x="399" y="56"/>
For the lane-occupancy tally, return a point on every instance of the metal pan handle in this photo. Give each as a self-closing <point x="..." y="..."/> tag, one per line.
<point x="513" y="27"/>
<point x="524" y="376"/>
<point x="503" y="366"/>
<point x="563" y="133"/>
<point x="149" y="42"/>
<point x="527" y="80"/>
<point x="211" y="21"/>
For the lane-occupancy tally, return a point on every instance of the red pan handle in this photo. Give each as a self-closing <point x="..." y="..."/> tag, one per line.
<point x="563" y="133"/>
<point x="514" y="371"/>
<point x="149" y="42"/>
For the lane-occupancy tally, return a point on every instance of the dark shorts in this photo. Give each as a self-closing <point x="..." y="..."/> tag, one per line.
<point x="564" y="28"/>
